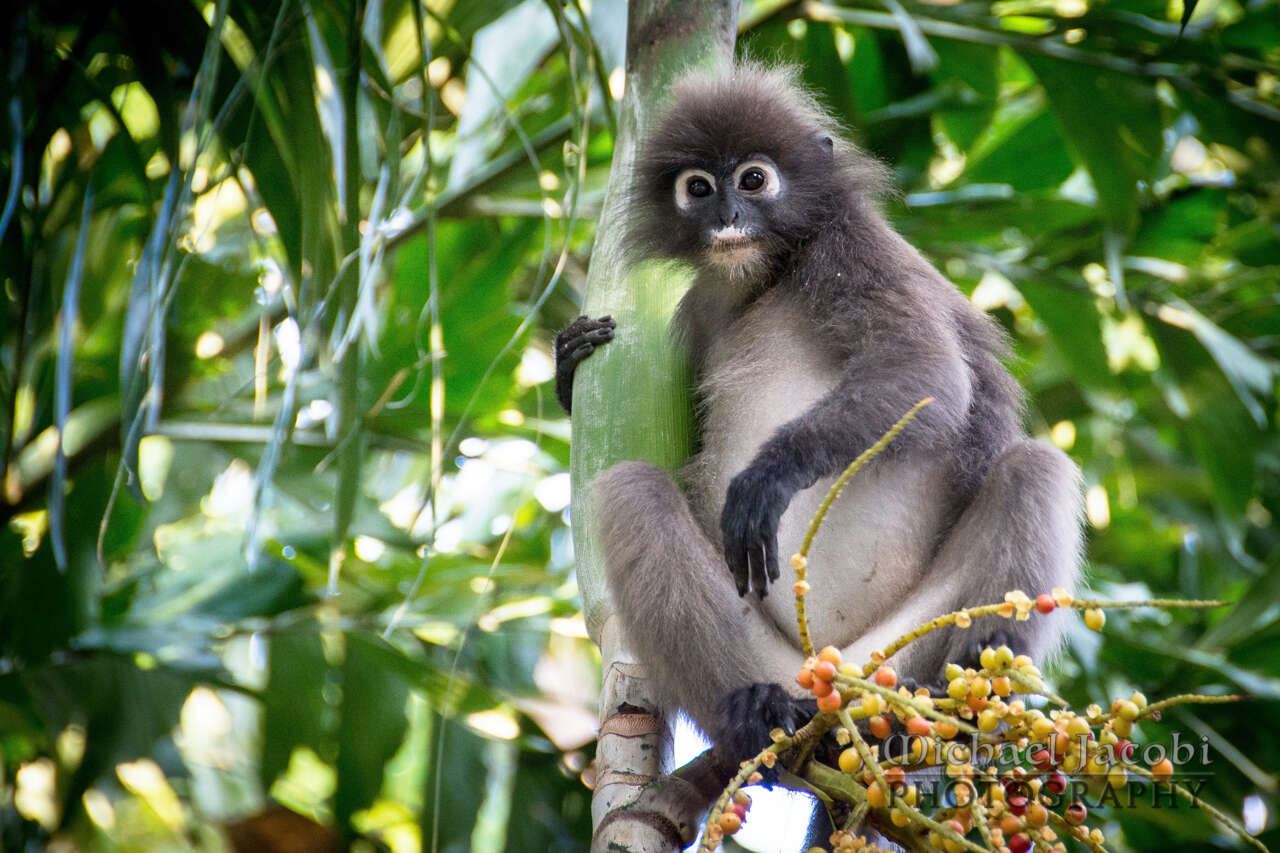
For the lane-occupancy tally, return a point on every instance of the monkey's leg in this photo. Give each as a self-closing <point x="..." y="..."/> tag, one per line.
<point x="1022" y="531"/>
<point x="707" y="649"/>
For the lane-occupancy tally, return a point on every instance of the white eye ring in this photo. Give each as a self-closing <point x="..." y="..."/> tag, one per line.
<point x="683" y="199"/>
<point x="772" y="184"/>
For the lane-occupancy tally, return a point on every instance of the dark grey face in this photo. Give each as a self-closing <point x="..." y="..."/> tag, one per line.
<point x="731" y="207"/>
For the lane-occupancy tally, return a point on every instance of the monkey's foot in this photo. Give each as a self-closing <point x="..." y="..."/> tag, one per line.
<point x="748" y="714"/>
<point x="577" y="341"/>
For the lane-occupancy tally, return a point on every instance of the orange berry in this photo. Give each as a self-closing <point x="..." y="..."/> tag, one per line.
<point x="1009" y="824"/>
<point x="824" y="669"/>
<point x="1076" y="813"/>
<point x="730" y="823"/>
<point x="830" y="654"/>
<point x="919" y="726"/>
<point x="886" y="677"/>
<point x="1162" y="770"/>
<point x="945" y="729"/>
<point x="879" y="726"/>
<point x="976" y="703"/>
<point x="876" y="796"/>
<point x="1001" y="686"/>
<point x="1037" y="815"/>
<point x="830" y="703"/>
<point x="822" y="687"/>
<point x="805" y="678"/>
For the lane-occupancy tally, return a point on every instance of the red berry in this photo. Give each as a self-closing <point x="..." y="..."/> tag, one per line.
<point x="1124" y="749"/>
<point x="1076" y="813"/>
<point x="886" y="677"/>
<point x="1017" y="804"/>
<point x="1019" y="843"/>
<point x="1045" y="603"/>
<point x="830" y="703"/>
<point x="1042" y="759"/>
<point x="1056" y="782"/>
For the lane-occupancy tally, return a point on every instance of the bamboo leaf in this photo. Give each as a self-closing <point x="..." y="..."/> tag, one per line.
<point x="62" y="383"/>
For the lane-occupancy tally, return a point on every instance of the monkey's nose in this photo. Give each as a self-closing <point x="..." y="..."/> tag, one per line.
<point x="729" y="217"/>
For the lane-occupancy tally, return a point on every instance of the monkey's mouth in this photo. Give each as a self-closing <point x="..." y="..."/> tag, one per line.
<point x="734" y="252"/>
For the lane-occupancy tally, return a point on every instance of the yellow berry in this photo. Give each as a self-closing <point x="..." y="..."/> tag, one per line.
<point x="958" y="688"/>
<point x="1116" y="777"/>
<point x="850" y="761"/>
<point x="988" y="658"/>
<point x="1126" y="710"/>
<point x="988" y="721"/>
<point x="1095" y="618"/>
<point x="1004" y="656"/>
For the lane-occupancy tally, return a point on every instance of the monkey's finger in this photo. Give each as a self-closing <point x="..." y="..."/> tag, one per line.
<point x="741" y="577"/>
<point x="771" y="557"/>
<point x="755" y="556"/>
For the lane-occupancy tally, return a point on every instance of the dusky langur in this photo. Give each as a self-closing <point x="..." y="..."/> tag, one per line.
<point x="812" y="327"/>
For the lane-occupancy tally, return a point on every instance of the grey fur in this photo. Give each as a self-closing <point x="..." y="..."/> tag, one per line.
<point x="804" y="358"/>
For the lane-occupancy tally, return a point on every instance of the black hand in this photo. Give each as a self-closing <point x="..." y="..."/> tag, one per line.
<point x="746" y="715"/>
<point x="749" y="525"/>
<point x="578" y="340"/>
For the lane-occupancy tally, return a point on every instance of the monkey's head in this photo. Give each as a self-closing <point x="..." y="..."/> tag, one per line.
<point x="742" y="167"/>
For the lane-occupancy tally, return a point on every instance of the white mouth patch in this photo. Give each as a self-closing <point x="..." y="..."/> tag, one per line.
<point x="733" y="250"/>
<point x="725" y="237"/>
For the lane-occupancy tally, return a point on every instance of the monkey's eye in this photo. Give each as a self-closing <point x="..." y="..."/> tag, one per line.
<point x="758" y="176"/>
<point x="699" y="187"/>
<point x="693" y="184"/>
<point x="751" y="180"/>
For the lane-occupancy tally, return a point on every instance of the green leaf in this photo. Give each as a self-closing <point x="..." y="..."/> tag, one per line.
<point x="976" y="68"/>
<point x="295" y="711"/>
<point x="1072" y="319"/>
<point x="1031" y="157"/>
<point x="373" y="722"/>
<point x="1111" y="124"/>
<point x="455" y="786"/>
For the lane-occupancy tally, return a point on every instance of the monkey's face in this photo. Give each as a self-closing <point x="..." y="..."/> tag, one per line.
<point x="728" y="209"/>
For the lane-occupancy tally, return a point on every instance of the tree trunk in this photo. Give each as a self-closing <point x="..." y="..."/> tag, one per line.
<point x="631" y="400"/>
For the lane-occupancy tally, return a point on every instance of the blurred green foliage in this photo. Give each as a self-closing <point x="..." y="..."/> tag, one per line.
<point x="283" y="480"/>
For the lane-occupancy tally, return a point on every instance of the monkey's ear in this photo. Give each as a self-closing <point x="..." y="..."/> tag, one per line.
<point x="828" y="145"/>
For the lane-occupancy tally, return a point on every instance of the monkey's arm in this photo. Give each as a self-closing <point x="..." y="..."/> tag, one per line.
<point x="577" y="341"/>
<point x="870" y="397"/>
